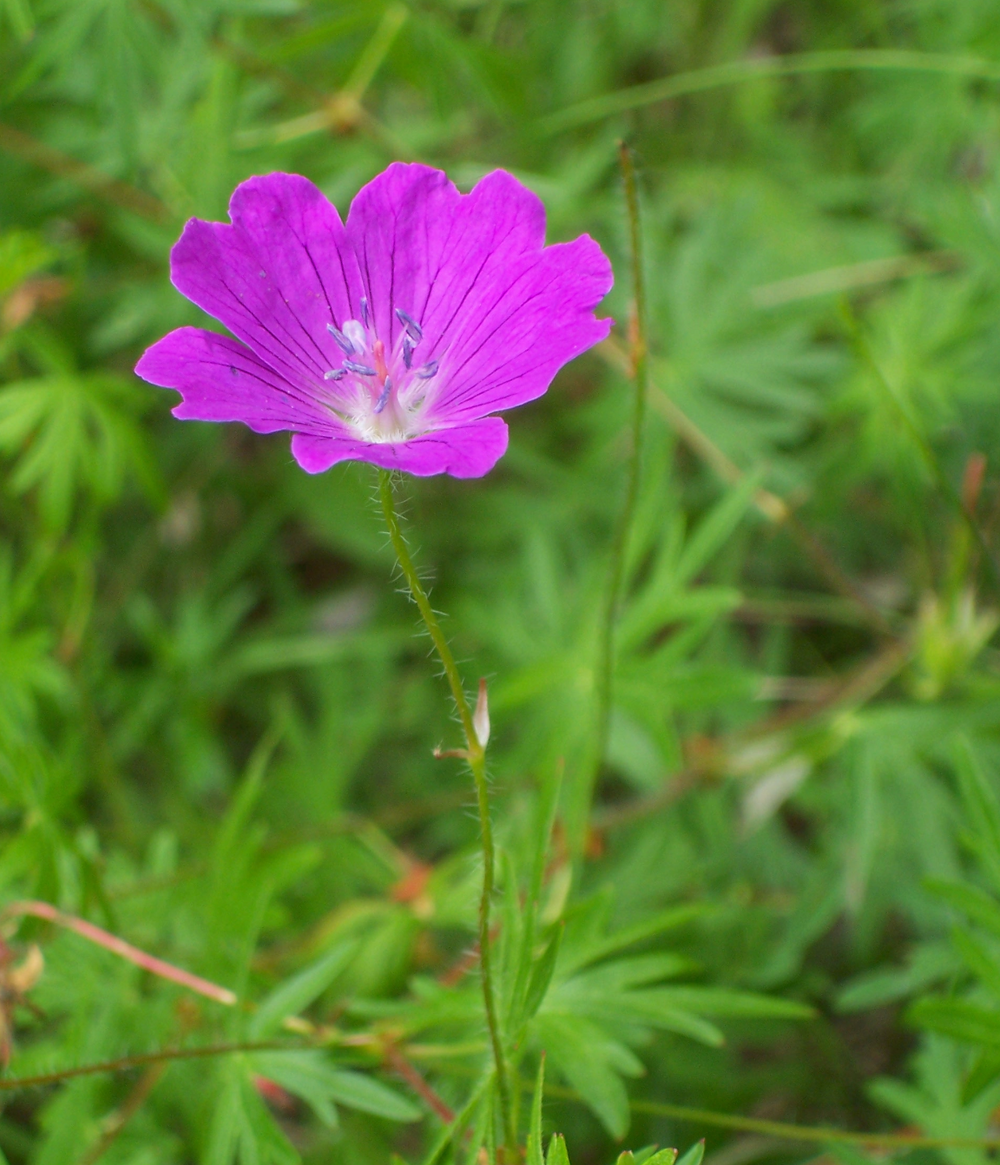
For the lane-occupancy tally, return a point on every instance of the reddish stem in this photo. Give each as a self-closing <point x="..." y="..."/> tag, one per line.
<point x="118" y="946"/>
<point x="399" y="1064"/>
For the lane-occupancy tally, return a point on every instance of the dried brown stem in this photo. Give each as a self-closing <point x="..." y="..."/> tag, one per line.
<point x="23" y="146"/>
<point x="406" y="1071"/>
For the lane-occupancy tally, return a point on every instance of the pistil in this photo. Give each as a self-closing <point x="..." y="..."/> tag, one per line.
<point x="379" y="413"/>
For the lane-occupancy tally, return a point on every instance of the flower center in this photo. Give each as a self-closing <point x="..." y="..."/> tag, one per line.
<point x="379" y="395"/>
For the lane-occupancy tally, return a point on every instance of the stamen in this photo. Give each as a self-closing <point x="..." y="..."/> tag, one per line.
<point x="415" y="331"/>
<point x="360" y="369"/>
<point x="364" y="311"/>
<point x="407" y="351"/>
<point x="342" y="340"/>
<point x="427" y="371"/>
<point x="384" y="398"/>
<point x="334" y="374"/>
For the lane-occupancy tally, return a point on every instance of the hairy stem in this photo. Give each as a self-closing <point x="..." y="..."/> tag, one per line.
<point x="640" y="374"/>
<point x="475" y="754"/>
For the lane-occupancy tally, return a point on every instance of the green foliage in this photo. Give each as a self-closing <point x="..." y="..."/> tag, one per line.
<point x="217" y="724"/>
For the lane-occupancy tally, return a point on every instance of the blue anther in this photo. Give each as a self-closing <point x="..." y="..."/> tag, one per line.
<point x="342" y="340"/>
<point x="360" y="369"/>
<point x="334" y="374"/>
<point x="383" y="400"/>
<point x="407" y="351"/>
<point x="414" y="330"/>
<point x="364" y="311"/>
<point x="428" y="370"/>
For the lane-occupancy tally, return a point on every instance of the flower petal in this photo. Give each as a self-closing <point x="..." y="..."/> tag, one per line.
<point x="220" y="379"/>
<point x="277" y="276"/>
<point x="422" y="246"/>
<point x="500" y="312"/>
<point x="463" y="451"/>
<point x="520" y="329"/>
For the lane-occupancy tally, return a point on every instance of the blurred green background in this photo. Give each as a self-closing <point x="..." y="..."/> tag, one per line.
<point x="216" y="716"/>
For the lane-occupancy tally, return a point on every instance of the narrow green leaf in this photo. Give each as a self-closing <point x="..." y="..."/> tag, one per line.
<point x="651" y="1154"/>
<point x="355" y="1090"/>
<point x="669" y="919"/>
<point x="450" y="1134"/>
<point x="629" y="972"/>
<point x="309" y="1074"/>
<point x="295" y="994"/>
<point x="592" y="1062"/>
<point x="976" y="904"/>
<point x="260" y="1137"/>
<point x="534" y="1155"/>
<point x="963" y="1021"/>
<point x="980" y="800"/>
<point x="544" y="822"/>
<point x="224" y="1130"/>
<point x="715" y="528"/>
<point x="238" y="813"/>
<point x="693" y="1156"/>
<point x="721" y="1001"/>
<point x="557" y="1154"/>
<point x="541" y="974"/>
<point x="980" y="961"/>
<point x="984" y="1072"/>
<point x="669" y="1156"/>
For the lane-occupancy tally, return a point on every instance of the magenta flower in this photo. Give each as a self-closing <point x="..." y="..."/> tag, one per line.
<point x="391" y="339"/>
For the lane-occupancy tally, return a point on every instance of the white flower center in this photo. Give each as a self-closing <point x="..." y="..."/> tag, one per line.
<point x="380" y="396"/>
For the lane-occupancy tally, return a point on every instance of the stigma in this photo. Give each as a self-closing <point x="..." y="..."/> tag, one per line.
<point x="381" y="392"/>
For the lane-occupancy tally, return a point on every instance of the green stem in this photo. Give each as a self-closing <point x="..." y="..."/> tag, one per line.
<point x="475" y="754"/>
<point x="640" y="374"/>
<point x="754" y="68"/>
<point x="789" y="1132"/>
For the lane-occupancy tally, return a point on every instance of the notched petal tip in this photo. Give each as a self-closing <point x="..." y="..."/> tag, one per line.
<point x="276" y="187"/>
<point x="602" y="272"/>
<point x="159" y="363"/>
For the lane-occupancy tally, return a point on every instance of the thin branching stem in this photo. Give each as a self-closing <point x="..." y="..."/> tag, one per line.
<point x="638" y="360"/>
<point x="786" y="1131"/>
<point x="475" y="754"/>
<point x="751" y="68"/>
<point x="144" y="1059"/>
<point x="793" y="1132"/>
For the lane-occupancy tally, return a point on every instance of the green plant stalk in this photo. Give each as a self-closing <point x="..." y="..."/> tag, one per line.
<point x="755" y="68"/>
<point x="640" y="374"/>
<point x="789" y="1132"/>
<point x="475" y="754"/>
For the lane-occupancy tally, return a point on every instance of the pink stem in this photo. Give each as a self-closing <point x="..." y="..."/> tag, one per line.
<point x="118" y="946"/>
